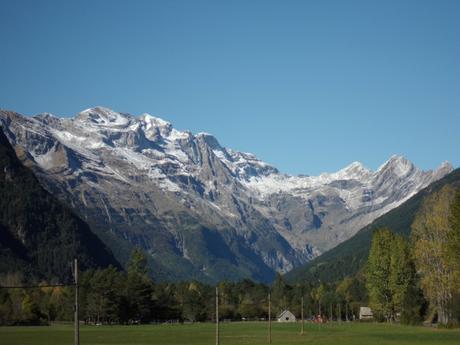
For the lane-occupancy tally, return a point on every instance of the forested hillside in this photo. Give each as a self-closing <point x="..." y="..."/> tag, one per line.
<point x="350" y="256"/>
<point x="39" y="236"/>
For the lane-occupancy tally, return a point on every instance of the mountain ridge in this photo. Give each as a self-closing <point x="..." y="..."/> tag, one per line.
<point x="141" y="182"/>
<point x="350" y="256"/>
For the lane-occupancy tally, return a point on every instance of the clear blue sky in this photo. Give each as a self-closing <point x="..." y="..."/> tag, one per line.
<point x="308" y="86"/>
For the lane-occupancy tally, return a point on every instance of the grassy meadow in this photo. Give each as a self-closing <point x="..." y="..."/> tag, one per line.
<point x="237" y="333"/>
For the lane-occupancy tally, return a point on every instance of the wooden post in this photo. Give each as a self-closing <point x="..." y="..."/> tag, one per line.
<point x="269" y="319"/>
<point x="303" y="320"/>
<point x="217" y="315"/>
<point x="76" y="316"/>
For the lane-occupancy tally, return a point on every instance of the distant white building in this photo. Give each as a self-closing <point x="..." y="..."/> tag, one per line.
<point x="365" y="313"/>
<point x="286" y="316"/>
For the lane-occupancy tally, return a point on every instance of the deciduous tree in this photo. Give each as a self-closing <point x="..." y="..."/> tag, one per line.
<point x="378" y="273"/>
<point x="432" y="232"/>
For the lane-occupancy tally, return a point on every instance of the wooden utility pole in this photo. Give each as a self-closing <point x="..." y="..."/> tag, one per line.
<point x="217" y="316"/>
<point x="76" y="316"/>
<point x="303" y="320"/>
<point x="269" y="319"/>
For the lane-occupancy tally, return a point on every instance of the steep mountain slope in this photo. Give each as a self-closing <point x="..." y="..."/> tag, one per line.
<point x="201" y="210"/>
<point x="38" y="235"/>
<point x="350" y="256"/>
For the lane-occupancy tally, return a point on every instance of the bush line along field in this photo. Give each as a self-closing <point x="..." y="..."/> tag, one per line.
<point x="235" y="333"/>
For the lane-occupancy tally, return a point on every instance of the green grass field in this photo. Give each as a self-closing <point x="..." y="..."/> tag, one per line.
<point x="250" y="333"/>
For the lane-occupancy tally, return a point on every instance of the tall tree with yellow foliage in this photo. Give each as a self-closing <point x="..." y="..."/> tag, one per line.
<point x="432" y="233"/>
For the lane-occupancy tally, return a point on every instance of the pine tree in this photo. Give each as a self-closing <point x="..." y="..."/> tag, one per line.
<point x="139" y="287"/>
<point x="138" y="263"/>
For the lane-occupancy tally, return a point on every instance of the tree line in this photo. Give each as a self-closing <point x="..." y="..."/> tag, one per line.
<point x="110" y="296"/>
<point x="405" y="280"/>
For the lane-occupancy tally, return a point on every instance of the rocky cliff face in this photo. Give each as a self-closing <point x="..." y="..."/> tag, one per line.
<point x="200" y="210"/>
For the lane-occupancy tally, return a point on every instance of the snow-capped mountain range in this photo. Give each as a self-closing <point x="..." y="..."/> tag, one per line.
<point x="201" y="210"/>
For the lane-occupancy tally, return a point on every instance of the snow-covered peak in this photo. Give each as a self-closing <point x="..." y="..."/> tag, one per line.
<point x="443" y="169"/>
<point x="152" y="121"/>
<point x="445" y="165"/>
<point x="154" y="126"/>
<point x="203" y="134"/>
<point x="47" y="118"/>
<point x="45" y="115"/>
<point x="355" y="165"/>
<point x="397" y="164"/>
<point x="355" y="170"/>
<point x="101" y="116"/>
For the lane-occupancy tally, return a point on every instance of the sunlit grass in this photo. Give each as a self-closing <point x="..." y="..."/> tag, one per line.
<point x="249" y="333"/>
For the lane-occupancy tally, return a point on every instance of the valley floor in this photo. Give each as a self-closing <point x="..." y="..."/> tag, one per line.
<point x="236" y="333"/>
